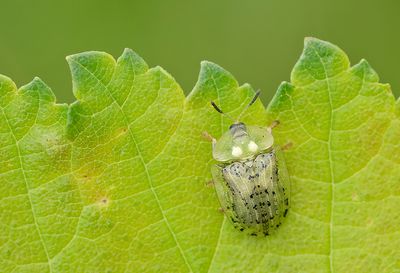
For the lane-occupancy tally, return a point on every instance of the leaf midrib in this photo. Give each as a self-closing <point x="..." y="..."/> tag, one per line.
<point x="224" y="217"/>
<point x="331" y="173"/>
<point x="142" y="162"/>
<point x="27" y="185"/>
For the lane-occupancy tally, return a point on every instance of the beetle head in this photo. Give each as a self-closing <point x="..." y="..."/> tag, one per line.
<point x="241" y="141"/>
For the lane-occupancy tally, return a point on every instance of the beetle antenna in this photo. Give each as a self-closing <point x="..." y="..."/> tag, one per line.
<point x="250" y="104"/>
<point x="220" y="111"/>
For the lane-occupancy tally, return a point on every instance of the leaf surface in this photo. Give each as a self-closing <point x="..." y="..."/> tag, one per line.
<point x="116" y="182"/>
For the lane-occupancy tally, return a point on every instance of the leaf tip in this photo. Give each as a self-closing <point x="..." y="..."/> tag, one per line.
<point x="282" y="95"/>
<point x="38" y="80"/>
<point x="207" y="65"/>
<point x="130" y="61"/>
<point x="72" y="58"/>
<point x="127" y="50"/>
<point x="132" y="55"/>
<point x="68" y="58"/>
<point x="7" y="87"/>
<point x="4" y="78"/>
<point x="206" y="62"/>
<point x="89" y="57"/>
<point x="39" y="86"/>
<point x="285" y="88"/>
<point x="36" y="83"/>
<point x="88" y="68"/>
<point x="310" y="39"/>
<point x="212" y="78"/>
<point x="365" y="71"/>
<point x="164" y="73"/>
<point x="158" y="68"/>
<point x="318" y="43"/>
<point x="211" y="70"/>
<point x="320" y="60"/>
<point x="6" y="81"/>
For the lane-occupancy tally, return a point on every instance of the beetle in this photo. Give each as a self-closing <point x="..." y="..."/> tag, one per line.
<point x="250" y="177"/>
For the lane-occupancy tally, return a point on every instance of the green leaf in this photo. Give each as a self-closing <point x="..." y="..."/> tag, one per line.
<point x="116" y="182"/>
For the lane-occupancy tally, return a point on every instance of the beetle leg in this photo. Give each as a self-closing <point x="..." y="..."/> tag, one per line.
<point x="208" y="137"/>
<point x="274" y="124"/>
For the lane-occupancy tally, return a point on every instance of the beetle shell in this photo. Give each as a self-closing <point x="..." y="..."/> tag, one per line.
<point x="254" y="192"/>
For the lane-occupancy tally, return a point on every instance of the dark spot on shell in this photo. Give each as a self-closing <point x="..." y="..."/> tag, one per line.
<point x="285" y="213"/>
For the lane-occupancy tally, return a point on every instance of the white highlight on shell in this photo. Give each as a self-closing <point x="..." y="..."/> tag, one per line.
<point x="253" y="147"/>
<point x="236" y="151"/>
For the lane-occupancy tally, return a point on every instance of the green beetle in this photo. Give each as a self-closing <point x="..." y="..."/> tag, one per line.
<point x="250" y="178"/>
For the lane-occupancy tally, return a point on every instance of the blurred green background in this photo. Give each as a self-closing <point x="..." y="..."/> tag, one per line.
<point x="258" y="41"/>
